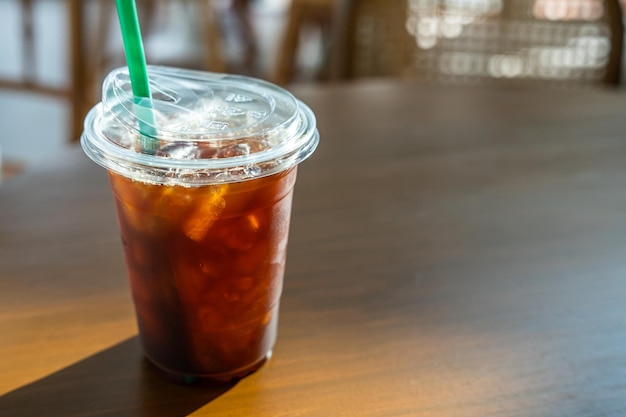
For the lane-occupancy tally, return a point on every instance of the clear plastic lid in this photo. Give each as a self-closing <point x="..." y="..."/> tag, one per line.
<point x="199" y="128"/>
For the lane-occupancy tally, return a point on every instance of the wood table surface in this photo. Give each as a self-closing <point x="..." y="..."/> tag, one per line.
<point x="454" y="251"/>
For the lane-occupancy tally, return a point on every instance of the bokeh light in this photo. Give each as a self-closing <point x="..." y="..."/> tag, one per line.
<point x="537" y="39"/>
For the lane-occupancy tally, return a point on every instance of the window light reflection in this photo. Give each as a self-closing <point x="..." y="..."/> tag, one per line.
<point x="568" y="9"/>
<point x="468" y="38"/>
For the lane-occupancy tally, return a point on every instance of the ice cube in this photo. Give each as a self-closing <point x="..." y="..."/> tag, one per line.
<point x="238" y="98"/>
<point x="202" y="277"/>
<point x="240" y="149"/>
<point x="253" y="261"/>
<point x="136" y="219"/>
<point x="209" y="318"/>
<point x="241" y="233"/>
<point x="244" y="283"/>
<point x="180" y="150"/>
<point x="204" y="213"/>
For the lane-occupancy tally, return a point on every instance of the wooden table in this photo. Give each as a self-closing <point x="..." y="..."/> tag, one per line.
<point x="453" y="252"/>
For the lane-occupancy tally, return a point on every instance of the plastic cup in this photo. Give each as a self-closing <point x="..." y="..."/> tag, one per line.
<point x="203" y="211"/>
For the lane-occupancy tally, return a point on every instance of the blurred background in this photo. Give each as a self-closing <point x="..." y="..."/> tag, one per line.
<point x="55" y="53"/>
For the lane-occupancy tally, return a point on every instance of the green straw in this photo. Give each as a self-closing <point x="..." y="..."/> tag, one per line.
<point x="136" y="61"/>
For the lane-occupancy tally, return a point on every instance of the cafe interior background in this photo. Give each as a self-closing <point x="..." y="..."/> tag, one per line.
<point x="558" y="42"/>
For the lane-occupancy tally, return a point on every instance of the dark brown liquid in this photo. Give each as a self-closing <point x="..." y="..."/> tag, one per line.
<point x="206" y="267"/>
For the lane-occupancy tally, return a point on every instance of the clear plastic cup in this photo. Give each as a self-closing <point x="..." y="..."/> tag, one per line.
<point x="203" y="178"/>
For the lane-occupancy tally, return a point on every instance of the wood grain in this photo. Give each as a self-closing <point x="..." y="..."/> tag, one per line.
<point x="454" y="252"/>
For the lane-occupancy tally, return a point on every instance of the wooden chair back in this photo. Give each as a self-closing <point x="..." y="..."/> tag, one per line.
<point x="555" y="42"/>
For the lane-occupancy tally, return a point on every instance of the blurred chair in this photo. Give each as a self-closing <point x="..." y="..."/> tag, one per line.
<point x="74" y="92"/>
<point x="302" y="13"/>
<point x="198" y="15"/>
<point x="370" y="39"/>
<point x="556" y="42"/>
<point x="9" y="169"/>
<point x="88" y="34"/>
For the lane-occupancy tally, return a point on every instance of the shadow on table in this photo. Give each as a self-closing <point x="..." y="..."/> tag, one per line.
<point x="116" y="382"/>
